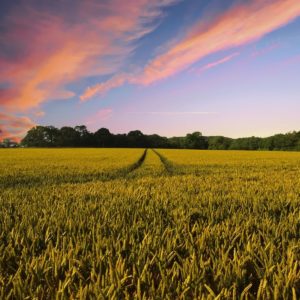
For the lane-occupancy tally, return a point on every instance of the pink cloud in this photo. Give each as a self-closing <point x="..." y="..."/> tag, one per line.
<point x="55" y="47"/>
<point x="102" y="88"/>
<point x="265" y="50"/>
<point x="13" y="127"/>
<point x="240" y="25"/>
<point x="177" y="113"/>
<point x="99" y="117"/>
<point x="104" y="114"/>
<point x="292" y="61"/>
<point x="216" y="63"/>
<point x="39" y="114"/>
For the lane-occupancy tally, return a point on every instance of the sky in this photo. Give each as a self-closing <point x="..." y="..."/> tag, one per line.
<point x="221" y="67"/>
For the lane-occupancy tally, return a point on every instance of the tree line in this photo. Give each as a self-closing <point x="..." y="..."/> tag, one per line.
<point x="79" y="136"/>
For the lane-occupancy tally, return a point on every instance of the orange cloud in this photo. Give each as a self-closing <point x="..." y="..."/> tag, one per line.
<point x="52" y="46"/>
<point x="240" y="25"/>
<point x="13" y="127"/>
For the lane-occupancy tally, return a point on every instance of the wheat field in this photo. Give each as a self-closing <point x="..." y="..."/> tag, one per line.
<point x="149" y="224"/>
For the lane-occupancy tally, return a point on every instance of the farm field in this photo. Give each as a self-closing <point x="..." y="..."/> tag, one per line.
<point x="149" y="224"/>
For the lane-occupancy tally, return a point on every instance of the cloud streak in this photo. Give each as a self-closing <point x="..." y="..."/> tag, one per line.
<point x="218" y="62"/>
<point x="98" y="119"/>
<point x="238" y="26"/>
<point x="260" y="52"/>
<point x="176" y="113"/>
<point x="43" y="48"/>
<point x="104" y="87"/>
<point x="39" y="114"/>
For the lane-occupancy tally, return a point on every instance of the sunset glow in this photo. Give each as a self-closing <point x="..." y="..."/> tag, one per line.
<point x="113" y="63"/>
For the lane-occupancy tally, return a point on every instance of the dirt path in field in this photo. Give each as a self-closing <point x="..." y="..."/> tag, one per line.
<point x="128" y="171"/>
<point x="151" y="167"/>
<point x="137" y="164"/>
<point x="169" y="167"/>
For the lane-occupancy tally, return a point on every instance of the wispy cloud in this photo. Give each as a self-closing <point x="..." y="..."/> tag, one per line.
<point x="100" y="116"/>
<point x="39" y="114"/>
<point x="45" y="47"/>
<point x="116" y="81"/>
<point x="176" y="113"/>
<point x="295" y="60"/>
<point x="240" y="25"/>
<point x="13" y="127"/>
<point x="102" y="88"/>
<point x="215" y="63"/>
<point x="265" y="50"/>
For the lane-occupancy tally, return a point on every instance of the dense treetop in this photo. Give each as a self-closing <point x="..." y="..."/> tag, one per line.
<point x="79" y="136"/>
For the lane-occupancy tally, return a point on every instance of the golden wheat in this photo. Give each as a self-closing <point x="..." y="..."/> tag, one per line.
<point x="129" y="224"/>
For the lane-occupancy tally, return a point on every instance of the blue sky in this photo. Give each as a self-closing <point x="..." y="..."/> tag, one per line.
<point x="168" y="67"/>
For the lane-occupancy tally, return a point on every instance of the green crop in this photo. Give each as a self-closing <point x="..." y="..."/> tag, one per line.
<point x="144" y="224"/>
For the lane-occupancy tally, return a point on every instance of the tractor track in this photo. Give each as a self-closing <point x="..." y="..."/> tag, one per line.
<point x="103" y="177"/>
<point x="137" y="164"/>
<point x="169" y="167"/>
